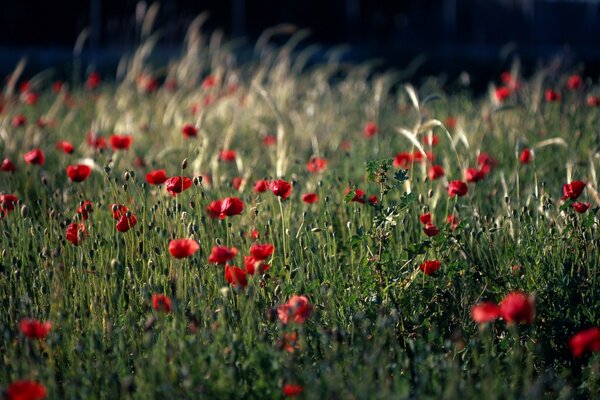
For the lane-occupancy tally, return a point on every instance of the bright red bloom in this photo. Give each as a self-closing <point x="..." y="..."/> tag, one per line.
<point x="120" y="142"/>
<point x="160" y="302"/>
<point x="236" y="276"/>
<point x="474" y="175"/>
<point x="118" y="210"/>
<point x="453" y="221"/>
<point x="178" y="184"/>
<point x="262" y="251"/>
<point x="35" y="156"/>
<point x="209" y="82"/>
<point x="76" y="233"/>
<point x="252" y="265"/>
<point x="526" y="156"/>
<point x="425" y="218"/>
<point x="373" y="199"/>
<point x="7" y="203"/>
<point x="290" y="390"/>
<point x="93" y="80"/>
<point x="359" y="195"/>
<point x="8" y="166"/>
<point x="156" y="177"/>
<point x="183" y="248"/>
<point x="270" y="140"/>
<point x="78" y="173"/>
<point x="316" y="164"/>
<point x="551" y="95"/>
<point x="236" y="182"/>
<point x="450" y="122"/>
<point x="485" y="312"/>
<point x="429" y="267"/>
<point x="281" y="188"/>
<point x="85" y="209"/>
<point x="310" y="198"/>
<point x="30" y="98"/>
<point x="34" y="329"/>
<point x="457" y="188"/>
<point x="402" y="160"/>
<point x="419" y="157"/>
<point x="370" y="130"/>
<point x="431" y="230"/>
<point x="26" y="390"/>
<point x="486" y="162"/>
<point x="227" y="207"/>
<point x="227" y="155"/>
<point x="126" y="222"/>
<point x="189" y="131"/>
<point x="517" y="307"/>
<point x="431" y="140"/>
<point x="261" y="186"/>
<point x="95" y="141"/>
<point x="593" y="101"/>
<point x="297" y="310"/>
<point x="574" y="82"/>
<point x="435" y="172"/>
<point x="222" y="254"/>
<point x="65" y="146"/>
<point x="584" y="341"/>
<point x="19" y="121"/>
<point x="573" y="190"/>
<point x="580" y="207"/>
<point x="502" y="93"/>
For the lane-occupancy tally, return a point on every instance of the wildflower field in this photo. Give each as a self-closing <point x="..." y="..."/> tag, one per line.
<point x="212" y="228"/>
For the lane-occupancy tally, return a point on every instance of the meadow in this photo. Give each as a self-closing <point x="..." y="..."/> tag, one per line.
<point x="211" y="228"/>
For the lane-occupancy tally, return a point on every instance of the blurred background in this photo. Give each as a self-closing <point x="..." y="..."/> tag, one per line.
<point x="479" y="36"/>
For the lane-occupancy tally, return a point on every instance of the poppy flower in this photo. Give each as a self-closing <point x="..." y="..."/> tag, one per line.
<point x="431" y="140"/>
<point x="551" y="95"/>
<point x="262" y="251"/>
<point x="580" y="207"/>
<point x="474" y="175"/>
<point x="425" y="218"/>
<point x="450" y="122"/>
<point x="57" y="86"/>
<point x="359" y="195"/>
<point x="178" y="184"/>
<point x="310" y="198"/>
<point x="76" y="233"/>
<point x="457" y="188"/>
<point x="269" y="140"/>
<point x="316" y="164"/>
<point x="118" y="210"/>
<point x="34" y="329"/>
<point x="30" y="98"/>
<point x="587" y="340"/>
<point x="486" y="162"/>
<point x="517" y="307"/>
<point x="373" y="199"/>
<point x="147" y="83"/>
<point x="126" y="222"/>
<point x="289" y="342"/>
<point x="453" y="221"/>
<point x="574" y="82"/>
<point x="236" y="276"/>
<point x="370" y="130"/>
<point x="236" y="182"/>
<point x="485" y="312"/>
<point x="281" y="188"/>
<point x="296" y="310"/>
<point x="261" y="186"/>
<point x="419" y="157"/>
<point x="593" y="101"/>
<point x="65" y="147"/>
<point x="227" y="207"/>
<point x="402" y="160"/>
<point x="78" y="173"/>
<point x="222" y="254"/>
<point x="120" y="142"/>
<point x="290" y="390"/>
<point x="19" y="121"/>
<point x="526" y="156"/>
<point x="26" y="390"/>
<point x="502" y="93"/>
<point x="435" y="172"/>
<point x="189" y="131"/>
<point x="209" y="82"/>
<point x="573" y="190"/>
<point x="227" y="155"/>
<point x="252" y="265"/>
<point x="183" y="248"/>
<point x="162" y="303"/>
<point x="93" y="81"/>
<point x="7" y="203"/>
<point x="254" y="234"/>
<point x="431" y="230"/>
<point x="35" y="156"/>
<point x="429" y="267"/>
<point x="8" y="166"/>
<point x="156" y="177"/>
<point x="85" y="209"/>
<point x="95" y="141"/>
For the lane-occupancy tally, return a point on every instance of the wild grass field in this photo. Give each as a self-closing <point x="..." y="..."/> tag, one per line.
<point x="214" y="229"/>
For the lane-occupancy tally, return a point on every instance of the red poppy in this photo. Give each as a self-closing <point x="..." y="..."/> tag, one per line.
<point x="289" y="342"/>
<point x="281" y="188"/>
<point x="227" y="155"/>
<point x="120" y="142"/>
<point x="183" y="248"/>
<point x="297" y="310"/>
<point x="76" y="233"/>
<point x="270" y="140"/>
<point x="431" y="140"/>
<point x="474" y="175"/>
<point x="93" y="80"/>
<point x="580" y="207"/>
<point x="402" y="160"/>
<point x="261" y="186"/>
<point x="236" y="182"/>
<point x="485" y="312"/>
<point x="178" y="184"/>
<point x="517" y="307"/>
<point x="574" y="82"/>
<point x="419" y="157"/>
<point x="30" y="98"/>
<point x="429" y="267"/>
<point x="310" y="198"/>
<point x="156" y="177"/>
<point x="526" y="156"/>
<point x="65" y="146"/>
<point x="85" y="209"/>
<point x="189" y="131"/>
<point x="209" y="82"/>
<point x="57" y="86"/>
<point x="118" y="210"/>
<point x="222" y="254"/>
<point x="457" y="188"/>
<point x="147" y="83"/>
<point x="8" y="166"/>
<point x="370" y="130"/>
<point x="450" y="122"/>
<point x="290" y="390"/>
<point x="252" y="265"/>
<point x="26" y="390"/>
<point x="551" y="95"/>
<point x="373" y="199"/>
<point x="236" y="276"/>
<point x="435" y="172"/>
<point x="486" y="162"/>
<point x="316" y="164"/>
<point x="573" y="190"/>
<point x="78" y="173"/>
<point x="431" y="230"/>
<point x="35" y="156"/>
<point x="19" y="121"/>
<point x="359" y="195"/>
<point x="126" y="222"/>
<point x="95" y="141"/>
<point x="7" y="203"/>
<point x="162" y="303"/>
<point x="227" y="207"/>
<point x="453" y="221"/>
<point x="502" y="93"/>
<point x="593" y="101"/>
<point x="34" y="329"/>
<point x="585" y="341"/>
<point x="262" y="251"/>
<point x="425" y="218"/>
